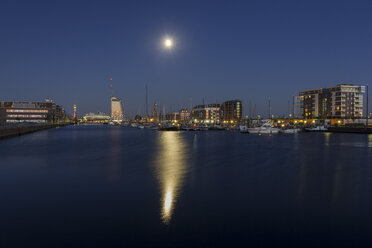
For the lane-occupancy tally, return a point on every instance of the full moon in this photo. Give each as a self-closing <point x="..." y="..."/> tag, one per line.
<point x="168" y="43"/>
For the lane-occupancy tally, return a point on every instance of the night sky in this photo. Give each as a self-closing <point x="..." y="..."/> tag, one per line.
<point x="248" y="50"/>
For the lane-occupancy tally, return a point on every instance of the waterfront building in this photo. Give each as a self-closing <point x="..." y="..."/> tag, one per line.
<point x="172" y="116"/>
<point x="232" y="111"/>
<point x="96" y="118"/>
<point x="184" y="115"/>
<point x="344" y="101"/>
<point x="46" y="112"/>
<point x="138" y="118"/>
<point x="117" y="111"/>
<point x="209" y="113"/>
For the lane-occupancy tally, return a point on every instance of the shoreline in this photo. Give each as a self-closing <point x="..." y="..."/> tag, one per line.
<point x="8" y="132"/>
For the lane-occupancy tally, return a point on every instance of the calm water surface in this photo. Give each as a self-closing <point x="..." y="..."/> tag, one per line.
<point x="111" y="186"/>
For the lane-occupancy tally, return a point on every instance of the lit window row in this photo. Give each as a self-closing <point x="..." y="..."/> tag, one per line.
<point x="27" y="116"/>
<point x="27" y="110"/>
<point x="18" y="121"/>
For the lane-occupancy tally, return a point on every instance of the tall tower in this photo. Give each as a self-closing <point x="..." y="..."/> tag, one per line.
<point x="117" y="111"/>
<point x="111" y="87"/>
<point x="74" y="113"/>
<point x="155" y="113"/>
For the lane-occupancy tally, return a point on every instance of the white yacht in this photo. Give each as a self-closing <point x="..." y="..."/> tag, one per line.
<point x="243" y="129"/>
<point x="317" y="129"/>
<point x="266" y="128"/>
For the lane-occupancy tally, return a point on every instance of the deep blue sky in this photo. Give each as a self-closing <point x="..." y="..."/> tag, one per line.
<point x="250" y="50"/>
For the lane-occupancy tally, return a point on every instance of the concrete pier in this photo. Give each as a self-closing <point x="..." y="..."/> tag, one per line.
<point x="365" y="130"/>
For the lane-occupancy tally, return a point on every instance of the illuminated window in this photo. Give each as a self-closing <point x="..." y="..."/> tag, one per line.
<point x="27" y="111"/>
<point x="26" y="116"/>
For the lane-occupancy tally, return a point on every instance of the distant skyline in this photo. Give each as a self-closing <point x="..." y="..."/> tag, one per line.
<point x="223" y="50"/>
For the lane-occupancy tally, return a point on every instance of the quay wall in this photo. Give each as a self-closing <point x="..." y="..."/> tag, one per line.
<point x="7" y="132"/>
<point x="365" y="130"/>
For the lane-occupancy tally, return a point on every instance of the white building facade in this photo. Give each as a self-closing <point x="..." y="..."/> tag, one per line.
<point x="117" y="110"/>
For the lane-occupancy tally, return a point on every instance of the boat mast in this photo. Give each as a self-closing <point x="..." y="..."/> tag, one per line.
<point x="269" y="108"/>
<point x="367" y="106"/>
<point x="146" y="107"/>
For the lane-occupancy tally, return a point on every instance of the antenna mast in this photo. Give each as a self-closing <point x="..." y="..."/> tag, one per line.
<point x="111" y="88"/>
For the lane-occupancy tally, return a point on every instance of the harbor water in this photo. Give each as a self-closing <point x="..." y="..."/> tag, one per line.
<point x="102" y="186"/>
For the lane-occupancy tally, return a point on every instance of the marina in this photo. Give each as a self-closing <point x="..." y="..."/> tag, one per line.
<point x="109" y="185"/>
<point x="266" y="127"/>
<point x="185" y="124"/>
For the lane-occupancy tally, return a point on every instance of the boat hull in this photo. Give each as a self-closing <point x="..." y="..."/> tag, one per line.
<point x="295" y="130"/>
<point x="263" y="130"/>
<point x="168" y="129"/>
<point x="317" y="129"/>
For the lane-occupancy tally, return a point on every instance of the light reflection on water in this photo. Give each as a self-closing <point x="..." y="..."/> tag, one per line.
<point x="348" y="143"/>
<point x="171" y="168"/>
<point x="278" y="191"/>
<point x="327" y="136"/>
<point x="113" y="165"/>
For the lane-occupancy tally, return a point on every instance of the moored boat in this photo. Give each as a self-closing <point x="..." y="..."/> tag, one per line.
<point x="317" y="129"/>
<point x="187" y="128"/>
<point x="203" y="128"/>
<point x="243" y="129"/>
<point x="168" y="127"/>
<point x="266" y="128"/>
<point x="216" y="128"/>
